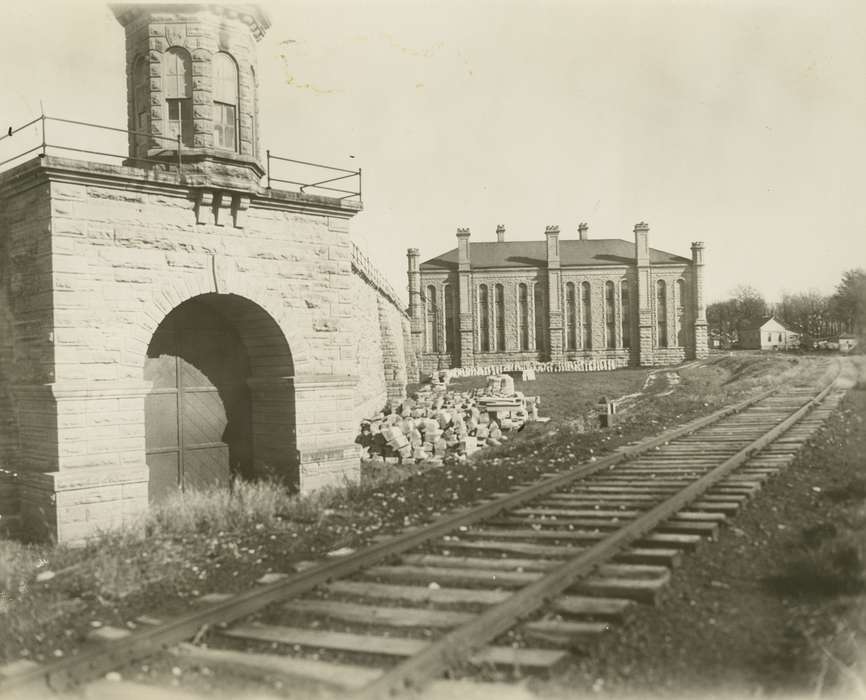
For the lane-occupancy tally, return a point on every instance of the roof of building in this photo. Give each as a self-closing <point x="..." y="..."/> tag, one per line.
<point x="495" y="254"/>
<point x="760" y="323"/>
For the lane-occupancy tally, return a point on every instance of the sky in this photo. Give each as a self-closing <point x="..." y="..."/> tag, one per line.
<point x="741" y="124"/>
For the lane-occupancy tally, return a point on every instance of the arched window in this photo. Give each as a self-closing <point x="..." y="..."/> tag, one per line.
<point x="450" y="319"/>
<point x="225" y="102"/>
<point x="609" y="315"/>
<point x="662" y="314"/>
<point x="255" y="115"/>
<point x="431" y="337"/>
<point x="484" y="317"/>
<point x="177" y="81"/>
<point x="570" y="317"/>
<point x="681" y="312"/>
<point x="540" y="318"/>
<point x="141" y="104"/>
<point x="586" y="315"/>
<point x="626" y="314"/>
<point x="499" y="315"/>
<point x="523" y="311"/>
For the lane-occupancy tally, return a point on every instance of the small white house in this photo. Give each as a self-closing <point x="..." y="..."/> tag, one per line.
<point x="769" y="334"/>
<point x="847" y="342"/>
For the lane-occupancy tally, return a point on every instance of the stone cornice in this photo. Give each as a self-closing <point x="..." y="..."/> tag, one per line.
<point x="150" y="181"/>
<point x="251" y="15"/>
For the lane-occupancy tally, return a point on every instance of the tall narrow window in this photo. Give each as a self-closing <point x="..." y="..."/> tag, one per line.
<point x="450" y="319"/>
<point x="523" y="315"/>
<point x="431" y="337"/>
<point x="540" y="318"/>
<point x="586" y="314"/>
<point x="625" y="302"/>
<point x="484" y="317"/>
<point x="662" y="313"/>
<point x="141" y="105"/>
<point x="609" y="315"/>
<point x="177" y="74"/>
<point x="255" y="115"/>
<point x="225" y="102"/>
<point x="570" y="317"/>
<point x="499" y="316"/>
<point x="681" y="312"/>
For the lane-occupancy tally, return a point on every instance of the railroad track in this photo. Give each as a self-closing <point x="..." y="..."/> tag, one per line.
<point x="516" y="581"/>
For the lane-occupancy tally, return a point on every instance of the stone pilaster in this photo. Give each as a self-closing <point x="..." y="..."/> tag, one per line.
<point x="416" y="308"/>
<point x="464" y="303"/>
<point x="326" y="430"/>
<point x="701" y="339"/>
<point x="554" y="295"/>
<point x="83" y="464"/>
<point x="646" y="355"/>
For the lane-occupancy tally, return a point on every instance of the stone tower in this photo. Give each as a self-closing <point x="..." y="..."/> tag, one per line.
<point x="191" y="86"/>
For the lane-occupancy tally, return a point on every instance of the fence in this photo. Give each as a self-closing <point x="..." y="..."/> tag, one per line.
<point x="366" y="269"/>
<point x="46" y="135"/>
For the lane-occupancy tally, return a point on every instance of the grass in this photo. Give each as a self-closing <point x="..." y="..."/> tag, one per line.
<point x="223" y="540"/>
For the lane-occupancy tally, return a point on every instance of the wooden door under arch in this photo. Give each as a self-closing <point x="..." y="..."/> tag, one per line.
<point x="197" y="414"/>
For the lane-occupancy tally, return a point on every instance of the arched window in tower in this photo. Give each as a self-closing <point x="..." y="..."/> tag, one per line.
<point x="662" y="314"/>
<point x="570" y="317"/>
<point x="523" y="311"/>
<point x="450" y="319"/>
<point x="431" y="337"/>
<point x="177" y="81"/>
<point x="225" y="102"/>
<point x="254" y="117"/>
<point x="609" y="315"/>
<point x="484" y="317"/>
<point x="141" y="105"/>
<point x="540" y="318"/>
<point x="499" y="315"/>
<point x="681" y="312"/>
<point x="586" y="314"/>
<point x="625" y="303"/>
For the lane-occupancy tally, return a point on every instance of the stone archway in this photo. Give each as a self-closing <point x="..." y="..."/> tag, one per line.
<point x="221" y="404"/>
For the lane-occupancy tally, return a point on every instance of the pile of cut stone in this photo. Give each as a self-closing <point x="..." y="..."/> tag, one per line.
<point x="440" y="426"/>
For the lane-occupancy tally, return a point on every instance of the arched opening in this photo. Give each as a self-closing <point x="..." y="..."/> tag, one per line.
<point x="221" y="404"/>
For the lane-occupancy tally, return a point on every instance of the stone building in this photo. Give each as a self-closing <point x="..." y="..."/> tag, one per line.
<point x="490" y="303"/>
<point x="170" y="322"/>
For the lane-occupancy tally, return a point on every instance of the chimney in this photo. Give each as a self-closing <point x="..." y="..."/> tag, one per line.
<point x="641" y="243"/>
<point x="552" y="235"/>
<point x="500" y="233"/>
<point x="583" y="230"/>
<point x="463" y="248"/>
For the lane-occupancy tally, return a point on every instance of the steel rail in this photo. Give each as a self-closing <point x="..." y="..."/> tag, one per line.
<point x="91" y="663"/>
<point x="454" y="647"/>
<point x="20" y="128"/>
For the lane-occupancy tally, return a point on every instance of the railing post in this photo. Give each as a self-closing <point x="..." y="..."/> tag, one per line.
<point x="268" y="154"/>
<point x="359" y="185"/>
<point x="179" y="162"/>
<point x="44" y="143"/>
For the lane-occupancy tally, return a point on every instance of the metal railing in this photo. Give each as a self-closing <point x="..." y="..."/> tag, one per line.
<point x="365" y="267"/>
<point x="352" y="178"/>
<point x="45" y="135"/>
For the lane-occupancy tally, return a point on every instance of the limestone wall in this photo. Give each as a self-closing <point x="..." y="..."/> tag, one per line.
<point x="95" y="257"/>
<point x="679" y="315"/>
<point x="384" y="356"/>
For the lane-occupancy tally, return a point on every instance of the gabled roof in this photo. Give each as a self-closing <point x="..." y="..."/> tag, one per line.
<point x="755" y="325"/>
<point x="604" y="251"/>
